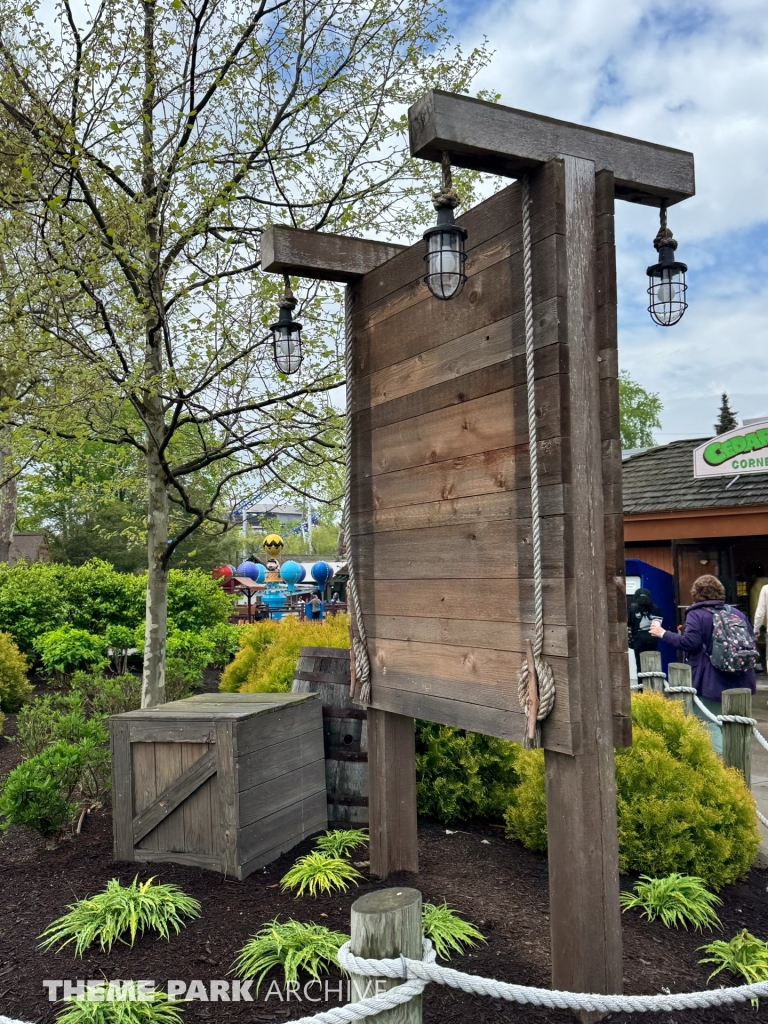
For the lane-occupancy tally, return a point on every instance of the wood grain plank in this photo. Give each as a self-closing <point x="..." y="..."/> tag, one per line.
<point x="498" y="600"/>
<point x="168" y="770"/>
<point x="502" y="140"/>
<point x="285" y="827"/>
<point x="174" y="793"/>
<point x="321" y="255"/>
<point x="266" y="731"/>
<point x="279" y="759"/>
<point x="122" y="789"/>
<point x="503" y="505"/>
<point x="494" y="421"/>
<point x="392" y="794"/>
<point x="227" y="778"/>
<point x="490" y="472"/>
<point x="199" y="827"/>
<point x="166" y="730"/>
<point x="276" y="794"/>
<point x="486" y="550"/>
<point x="144" y="785"/>
<point x="485" y="634"/>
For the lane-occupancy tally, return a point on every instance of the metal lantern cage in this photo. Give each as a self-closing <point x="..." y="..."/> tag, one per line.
<point x="445" y="256"/>
<point x="286" y="335"/>
<point x="666" y="285"/>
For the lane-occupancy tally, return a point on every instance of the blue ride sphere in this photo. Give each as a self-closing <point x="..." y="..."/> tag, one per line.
<point x="250" y="570"/>
<point x="291" y="573"/>
<point x="321" y="573"/>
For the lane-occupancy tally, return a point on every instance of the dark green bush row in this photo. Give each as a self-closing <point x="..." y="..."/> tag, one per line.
<point x="38" y="598"/>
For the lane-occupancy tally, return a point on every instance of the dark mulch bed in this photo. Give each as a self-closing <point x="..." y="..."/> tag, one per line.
<point x="494" y="882"/>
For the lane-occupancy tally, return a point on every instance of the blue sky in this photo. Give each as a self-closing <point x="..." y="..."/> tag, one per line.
<point x="690" y="75"/>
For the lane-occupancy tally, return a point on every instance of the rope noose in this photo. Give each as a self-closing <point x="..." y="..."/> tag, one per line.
<point x="359" y="664"/>
<point x="536" y="695"/>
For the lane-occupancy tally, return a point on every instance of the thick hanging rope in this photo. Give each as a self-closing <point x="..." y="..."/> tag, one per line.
<point x="536" y="680"/>
<point x="360" y="666"/>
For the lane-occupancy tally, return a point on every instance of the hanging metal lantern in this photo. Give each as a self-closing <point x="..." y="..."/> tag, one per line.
<point x="666" y="286"/>
<point x="286" y="334"/>
<point x="445" y="256"/>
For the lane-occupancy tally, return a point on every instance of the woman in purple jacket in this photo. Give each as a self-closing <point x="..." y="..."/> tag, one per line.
<point x="707" y="596"/>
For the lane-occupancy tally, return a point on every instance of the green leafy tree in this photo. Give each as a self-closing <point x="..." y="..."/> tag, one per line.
<point x="639" y="413"/>
<point x="153" y="143"/>
<point x="726" y="419"/>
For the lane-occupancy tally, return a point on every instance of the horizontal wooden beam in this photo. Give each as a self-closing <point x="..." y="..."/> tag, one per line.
<point x="501" y="140"/>
<point x="321" y="256"/>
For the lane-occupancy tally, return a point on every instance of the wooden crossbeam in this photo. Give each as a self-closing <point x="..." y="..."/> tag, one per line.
<point x="321" y="256"/>
<point x="175" y="794"/>
<point x="501" y="140"/>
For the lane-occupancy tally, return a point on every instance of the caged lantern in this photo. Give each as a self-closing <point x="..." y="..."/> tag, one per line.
<point x="445" y="255"/>
<point x="286" y="334"/>
<point x="666" y="285"/>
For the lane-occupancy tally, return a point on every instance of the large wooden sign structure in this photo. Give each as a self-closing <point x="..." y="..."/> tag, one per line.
<point x="441" y="502"/>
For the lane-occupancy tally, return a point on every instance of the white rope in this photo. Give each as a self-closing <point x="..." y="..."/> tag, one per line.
<point x="759" y="737"/>
<point x="428" y="971"/>
<point x="359" y="643"/>
<point x="719" y="719"/>
<point x="544" y="673"/>
<point x="651" y="675"/>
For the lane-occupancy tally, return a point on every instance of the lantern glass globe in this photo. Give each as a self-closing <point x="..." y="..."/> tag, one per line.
<point x="286" y="341"/>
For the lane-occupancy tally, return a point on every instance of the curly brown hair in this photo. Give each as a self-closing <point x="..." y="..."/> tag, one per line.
<point x="707" y="588"/>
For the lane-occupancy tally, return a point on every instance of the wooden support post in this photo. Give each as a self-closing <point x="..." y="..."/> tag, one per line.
<point x="679" y="674"/>
<point x="585" y="917"/>
<point x="392" y="793"/>
<point x="650" y="661"/>
<point x="387" y="924"/>
<point x="737" y="738"/>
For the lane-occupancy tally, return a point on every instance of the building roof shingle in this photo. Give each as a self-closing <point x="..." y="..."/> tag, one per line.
<point x="661" y="480"/>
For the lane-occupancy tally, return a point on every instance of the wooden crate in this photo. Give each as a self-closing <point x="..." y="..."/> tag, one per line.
<point x="224" y="781"/>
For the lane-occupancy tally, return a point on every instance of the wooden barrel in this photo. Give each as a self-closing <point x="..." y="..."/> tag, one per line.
<point x="325" y="670"/>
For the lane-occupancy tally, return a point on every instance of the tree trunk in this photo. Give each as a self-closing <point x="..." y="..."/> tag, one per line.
<point x="155" y="629"/>
<point x="7" y="498"/>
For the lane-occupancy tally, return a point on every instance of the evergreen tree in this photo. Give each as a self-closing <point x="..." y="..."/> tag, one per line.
<point x="727" y="419"/>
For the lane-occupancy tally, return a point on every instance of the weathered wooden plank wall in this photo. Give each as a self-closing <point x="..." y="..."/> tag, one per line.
<point x="441" y="498"/>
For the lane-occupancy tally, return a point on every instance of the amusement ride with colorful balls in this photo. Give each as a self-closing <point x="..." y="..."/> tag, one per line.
<point x="277" y="580"/>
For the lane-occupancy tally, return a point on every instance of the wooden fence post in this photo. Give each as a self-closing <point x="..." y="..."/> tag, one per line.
<point x="737" y="738"/>
<point x="679" y="674"/>
<point x="392" y="793"/>
<point x="650" y="661"/>
<point x="387" y="924"/>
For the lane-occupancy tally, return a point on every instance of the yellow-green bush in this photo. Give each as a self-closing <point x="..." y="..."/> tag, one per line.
<point x="679" y="808"/>
<point x="14" y="685"/>
<point x="269" y="651"/>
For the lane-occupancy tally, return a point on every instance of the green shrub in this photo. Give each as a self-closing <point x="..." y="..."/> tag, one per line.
<point x="38" y="792"/>
<point x="155" y="1010"/>
<point x="342" y="841"/>
<point x="676" y="899"/>
<point x="447" y="931"/>
<point x="107" y="695"/>
<point x="14" y="685"/>
<point x="292" y="945"/>
<point x="56" y="717"/>
<point x="679" y="808"/>
<point x="67" y="648"/>
<point x="225" y="638"/>
<point x="118" y="914"/>
<point x="269" y="650"/>
<point x="319" y="873"/>
<point x="744" y="955"/>
<point x="119" y="639"/>
<point x="463" y="775"/>
<point x="38" y="598"/>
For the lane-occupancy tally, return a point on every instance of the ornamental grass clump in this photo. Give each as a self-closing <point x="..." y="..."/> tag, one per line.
<point x="119" y="914"/>
<point x="447" y="931"/>
<point x="319" y="873"/>
<point x="154" y="1009"/>
<point x="744" y="955"/>
<point x="341" y="842"/>
<point x="679" y="808"/>
<point x="292" y="945"/>
<point x="676" y="900"/>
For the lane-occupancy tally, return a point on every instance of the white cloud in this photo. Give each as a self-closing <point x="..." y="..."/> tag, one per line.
<point x="693" y="76"/>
